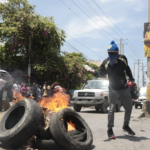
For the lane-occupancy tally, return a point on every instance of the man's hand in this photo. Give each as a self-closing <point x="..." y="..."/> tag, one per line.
<point x="134" y="84"/>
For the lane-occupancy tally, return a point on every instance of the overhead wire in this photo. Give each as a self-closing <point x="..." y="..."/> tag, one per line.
<point x="92" y="19"/>
<point x="88" y="4"/>
<point x="117" y="28"/>
<point x="68" y="42"/>
<point x="84" y="20"/>
<point x="104" y="29"/>
<point x="76" y="49"/>
<point x="79" y="42"/>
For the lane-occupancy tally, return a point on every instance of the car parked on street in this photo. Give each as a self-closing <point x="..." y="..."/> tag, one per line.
<point x="93" y="93"/>
<point x="142" y="97"/>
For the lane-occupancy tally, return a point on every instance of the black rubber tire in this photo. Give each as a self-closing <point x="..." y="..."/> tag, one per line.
<point x="46" y="144"/>
<point x="97" y="108"/>
<point x="20" y="123"/>
<point x="74" y="132"/>
<point x="118" y="106"/>
<point x="104" y="106"/>
<point x="77" y="107"/>
<point x="141" y="106"/>
<point x="136" y="106"/>
<point x="60" y="134"/>
<point x="44" y="134"/>
<point x="80" y="137"/>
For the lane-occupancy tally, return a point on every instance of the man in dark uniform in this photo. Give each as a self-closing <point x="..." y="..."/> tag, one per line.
<point x="116" y="66"/>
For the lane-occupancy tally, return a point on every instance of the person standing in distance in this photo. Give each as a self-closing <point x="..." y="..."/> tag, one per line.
<point x="116" y="66"/>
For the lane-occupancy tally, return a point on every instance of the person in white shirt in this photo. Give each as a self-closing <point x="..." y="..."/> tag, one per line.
<point x="17" y="87"/>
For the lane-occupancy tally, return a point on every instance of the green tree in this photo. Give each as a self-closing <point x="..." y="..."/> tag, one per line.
<point x="28" y="34"/>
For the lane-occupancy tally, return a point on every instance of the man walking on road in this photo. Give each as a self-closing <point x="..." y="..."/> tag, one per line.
<point x="116" y="66"/>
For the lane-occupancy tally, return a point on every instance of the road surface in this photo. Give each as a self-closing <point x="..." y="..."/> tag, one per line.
<point x="98" y="125"/>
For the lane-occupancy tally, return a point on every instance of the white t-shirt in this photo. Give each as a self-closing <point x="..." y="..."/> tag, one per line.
<point x="16" y="87"/>
<point x="2" y="83"/>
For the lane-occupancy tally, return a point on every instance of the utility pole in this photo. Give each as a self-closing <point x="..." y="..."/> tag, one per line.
<point x="29" y="64"/>
<point x="146" y="104"/>
<point x="121" y="51"/>
<point x="138" y="62"/>
<point x="143" y="77"/>
<point x="120" y="45"/>
<point x="123" y="47"/>
<point x="134" y="71"/>
<point x="148" y="59"/>
<point x="138" y="75"/>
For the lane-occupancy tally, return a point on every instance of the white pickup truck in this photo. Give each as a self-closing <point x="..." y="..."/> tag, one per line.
<point x="93" y="93"/>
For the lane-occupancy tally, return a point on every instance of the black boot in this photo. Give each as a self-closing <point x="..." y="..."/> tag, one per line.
<point x="110" y="134"/>
<point x="126" y="128"/>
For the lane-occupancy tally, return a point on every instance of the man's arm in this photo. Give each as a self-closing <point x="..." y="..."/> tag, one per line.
<point x="102" y="72"/>
<point x="128" y="71"/>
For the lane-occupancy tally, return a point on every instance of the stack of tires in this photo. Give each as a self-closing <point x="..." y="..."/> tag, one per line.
<point x="24" y="122"/>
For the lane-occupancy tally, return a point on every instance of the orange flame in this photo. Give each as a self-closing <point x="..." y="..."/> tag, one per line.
<point x="18" y="96"/>
<point x="55" y="103"/>
<point x="71" y="126"/>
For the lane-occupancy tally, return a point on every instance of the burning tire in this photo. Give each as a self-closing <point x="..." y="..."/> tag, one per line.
<point x="46" y="144"/>
<point x="78" y="136"/>
<point x="58" y="128"/>
<point x="20" y="122"/>
<point x="43" y="133"/>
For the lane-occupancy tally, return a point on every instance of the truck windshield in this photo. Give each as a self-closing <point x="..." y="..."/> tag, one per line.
<point x="103" y="84"/>
<point x="142" y="94"/>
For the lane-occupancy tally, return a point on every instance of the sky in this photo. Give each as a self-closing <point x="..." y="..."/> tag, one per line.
<point x="91" y="25"/>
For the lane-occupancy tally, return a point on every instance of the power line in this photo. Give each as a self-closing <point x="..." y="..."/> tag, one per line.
<point x="78" y="41"/>
<point x="70" y="36"/>
<point x="113" y="23"/>
<point x="107" y="16"/>
<point x="87" y="3"/>
<point x="76" y="49"/>
<point x="84" y="20"/>
<point x="86" y="47"/>
<point x="90" y="18"/>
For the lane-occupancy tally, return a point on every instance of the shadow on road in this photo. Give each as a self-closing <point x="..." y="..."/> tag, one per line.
<point x="92" y="147"/>
<point x="95" y="112"/>
<point x="130" y="138"/>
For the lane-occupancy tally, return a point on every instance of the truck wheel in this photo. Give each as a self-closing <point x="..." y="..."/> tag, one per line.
<point x="118" y="106"/>
<point x="141" y="106"/>
<point x="77" y="107"/>
<point x="104" y="106"/>
<point x="97" y="108"/>
<point x="136" y="106"/>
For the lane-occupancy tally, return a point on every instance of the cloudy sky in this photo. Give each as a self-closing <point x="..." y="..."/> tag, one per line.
<point x="90" y="25"/>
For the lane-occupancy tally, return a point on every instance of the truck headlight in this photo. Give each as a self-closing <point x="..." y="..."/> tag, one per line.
<point x="75" y="94"/>
<point x="99" y="94"/>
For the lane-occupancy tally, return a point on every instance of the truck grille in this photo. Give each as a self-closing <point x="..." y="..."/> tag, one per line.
<point x="86" y="94"/>
<point x="142" y="99"/>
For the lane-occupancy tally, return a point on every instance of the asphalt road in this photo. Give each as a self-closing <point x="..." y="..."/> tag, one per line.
<point x="98" y="125"/>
